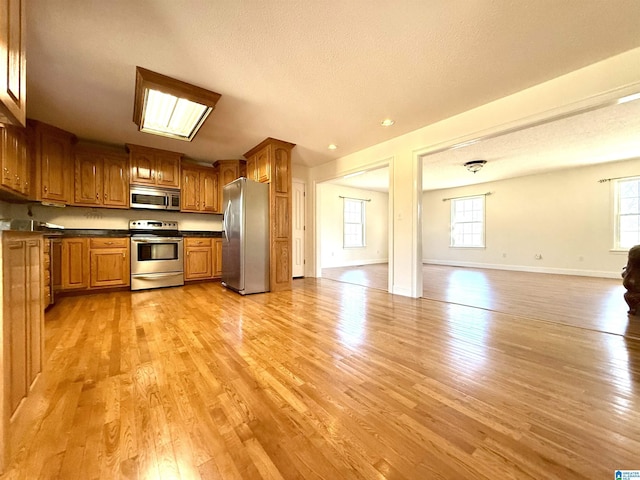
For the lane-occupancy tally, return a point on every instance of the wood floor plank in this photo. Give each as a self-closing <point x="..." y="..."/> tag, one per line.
<point x="327" y="381"/>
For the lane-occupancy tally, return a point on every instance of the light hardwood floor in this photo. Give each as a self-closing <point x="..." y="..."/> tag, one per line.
<point x="585" y="302"/>
<point x="327" y="381"/>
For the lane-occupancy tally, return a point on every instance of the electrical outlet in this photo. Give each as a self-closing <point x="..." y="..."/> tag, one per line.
<point x="538" y="256"/>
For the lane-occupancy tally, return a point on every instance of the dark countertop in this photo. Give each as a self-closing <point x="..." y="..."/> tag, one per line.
<point x="200" y="233"/>
<point x="94" y="232"/>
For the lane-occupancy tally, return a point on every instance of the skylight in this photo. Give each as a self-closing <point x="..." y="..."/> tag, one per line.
<point x="168" y="107"/>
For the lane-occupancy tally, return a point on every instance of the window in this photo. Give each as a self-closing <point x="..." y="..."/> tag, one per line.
<point x="467" y="222"/>
<point x="627" y="213"/>
<point x="354" y="215"/>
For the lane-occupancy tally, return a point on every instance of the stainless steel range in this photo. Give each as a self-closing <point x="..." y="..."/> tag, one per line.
<point x="156" y="254"/>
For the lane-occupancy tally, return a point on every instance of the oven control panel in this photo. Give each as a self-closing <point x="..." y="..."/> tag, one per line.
<point x="152" y="225"/>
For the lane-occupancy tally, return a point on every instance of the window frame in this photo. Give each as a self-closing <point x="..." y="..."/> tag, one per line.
<point x="617" y="215"/>
<point x="453" y="223"/>
<point x="362" y="222"/>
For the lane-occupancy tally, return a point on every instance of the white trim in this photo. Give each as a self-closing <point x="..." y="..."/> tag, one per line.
<point x="405" y="292"/>
<point x="525" y="268"/>
<point x="357" y="263"/>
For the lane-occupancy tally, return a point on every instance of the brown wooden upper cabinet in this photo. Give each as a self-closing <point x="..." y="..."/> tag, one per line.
<point x="16" y="172"/>
<point x="13" y="85"/>
<point x="150" y="166"/>
<point x="259" y="165"/>
<point x="199" y="189"/>
<point x="101" y="177"/>
<point x="228" y="171"/>
<point x="51" y="151"/>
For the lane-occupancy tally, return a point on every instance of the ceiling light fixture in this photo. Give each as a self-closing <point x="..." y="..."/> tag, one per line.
<point x="168" y="107"/>
<point x="387" y="122"/>
<point x="475" y="165"/>
<point x="333" y="146"/>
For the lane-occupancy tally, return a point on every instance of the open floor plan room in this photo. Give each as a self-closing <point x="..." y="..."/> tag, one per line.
<point x="328" y="381"/>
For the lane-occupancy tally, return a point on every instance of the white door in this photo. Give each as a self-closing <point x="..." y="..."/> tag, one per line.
<point x="298" y="228"/>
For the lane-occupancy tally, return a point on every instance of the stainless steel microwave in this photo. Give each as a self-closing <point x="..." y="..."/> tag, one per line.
<point x="154" y="198"/>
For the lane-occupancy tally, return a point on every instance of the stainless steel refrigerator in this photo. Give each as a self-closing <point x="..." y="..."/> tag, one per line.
<point x="245" y="236"/>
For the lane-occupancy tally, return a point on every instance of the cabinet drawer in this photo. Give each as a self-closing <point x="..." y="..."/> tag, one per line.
<point x="108" y="243"/>
<point x="197" y="242"/>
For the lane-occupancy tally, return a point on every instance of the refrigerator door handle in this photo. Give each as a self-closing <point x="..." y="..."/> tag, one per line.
<point x="225" y="220"/>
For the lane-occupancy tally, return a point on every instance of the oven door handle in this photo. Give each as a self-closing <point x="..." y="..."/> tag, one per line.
<point x="151" y="276"/>
<point x="157" y="240"/>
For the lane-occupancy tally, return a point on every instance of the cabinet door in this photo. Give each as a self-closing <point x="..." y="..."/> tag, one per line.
<point x="217" y="257"/>
<point x="263" y="166"/>
<point x="109" y="267"/>
<point x="9" y="159"/>
<point x="75" y="264"/>
<point x="252" y="168"/>
<point x="115" y="184"/>
<point x="198" y="264"/>
<point x="15" y="324"/>
<point x="13" y="90"/>
<point x="15" y="168"/>
<point x="88" y="179"/>
<point x="168" y="166"/>
<point x="35" y="309"/>
<point x="56" y="167"/>
<point x="143" y="169"/>
<point x="190" y="193"/>
<point x="24" y="162"/>
<point x="209" y="191"/>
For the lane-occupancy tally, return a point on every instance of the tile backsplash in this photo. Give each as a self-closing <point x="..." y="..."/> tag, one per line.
<point x="106" y="218"/>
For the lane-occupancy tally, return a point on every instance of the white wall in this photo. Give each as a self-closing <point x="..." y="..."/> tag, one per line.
<point x="591" y="85"/>
<point x="330" y="223"/>
<point x="565" y="216"/>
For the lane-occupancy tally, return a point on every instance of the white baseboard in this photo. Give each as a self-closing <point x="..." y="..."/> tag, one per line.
<point x="355" y="263"/>
<point x="525" y="268"/>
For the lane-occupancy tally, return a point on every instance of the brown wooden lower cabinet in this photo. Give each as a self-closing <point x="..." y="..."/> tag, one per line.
<point x="109" y="262"/>
<point x="217" y="257"/>
<point x="75" y="263"/>
<point x="203" y="258"/>
<point x="23" y="323"/>
<point x="95" y="263"/>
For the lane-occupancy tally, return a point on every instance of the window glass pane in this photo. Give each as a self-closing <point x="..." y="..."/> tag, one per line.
<point x="467" y="222"/>
<point x="353" y="223"/>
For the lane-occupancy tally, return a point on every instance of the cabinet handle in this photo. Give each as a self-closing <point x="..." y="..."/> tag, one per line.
<point x="188" y="253"/>
<point x="97" y="196"/>
<point x="160" y="176"/>
<point x="124" y="255"/>
<point x="45" y="189"/>
<point x="105" y="196"/>
<point x="109" y="243"/>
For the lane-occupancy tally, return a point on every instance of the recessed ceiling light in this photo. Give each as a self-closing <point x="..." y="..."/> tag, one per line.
<point x="168" y="107"/>
<point x="333" y="146"/>
<point x="387" y="122"/>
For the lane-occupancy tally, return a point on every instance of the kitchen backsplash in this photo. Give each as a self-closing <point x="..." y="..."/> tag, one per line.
<point x="105" y="218"/>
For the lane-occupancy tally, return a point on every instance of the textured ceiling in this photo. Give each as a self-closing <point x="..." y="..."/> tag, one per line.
<point x="308" y="72"/>
<point x="606" y="134"/>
